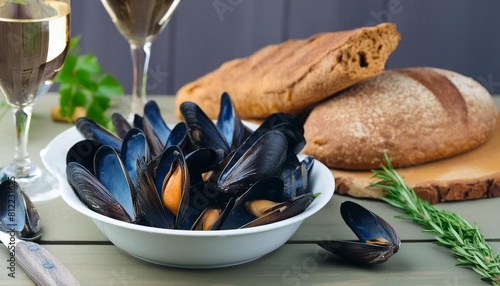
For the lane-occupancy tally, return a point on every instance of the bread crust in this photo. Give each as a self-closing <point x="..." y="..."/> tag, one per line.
<point x="290" y="76"/>
<point x="416" y="115"/>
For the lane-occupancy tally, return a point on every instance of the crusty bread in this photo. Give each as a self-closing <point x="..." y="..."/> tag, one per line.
<point x="417" y="115"/>
<point x="290" y="76"/>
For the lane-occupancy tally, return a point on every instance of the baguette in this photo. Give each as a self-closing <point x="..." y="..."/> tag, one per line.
<point x="291" y="76"/>
<point x="416" y="115"/>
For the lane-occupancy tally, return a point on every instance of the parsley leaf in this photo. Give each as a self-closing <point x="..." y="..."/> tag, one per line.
<point x="82" y="83"/>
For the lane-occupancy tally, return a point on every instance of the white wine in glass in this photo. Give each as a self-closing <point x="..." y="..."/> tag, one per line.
<point x="140" y="21"/>
<point x="34" y="36"/>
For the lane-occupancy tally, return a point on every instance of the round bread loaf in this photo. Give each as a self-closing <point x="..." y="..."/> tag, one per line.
<point x="416" y="115"/>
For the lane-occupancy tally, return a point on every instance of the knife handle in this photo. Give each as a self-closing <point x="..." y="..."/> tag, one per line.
<point x="42" y="266"/>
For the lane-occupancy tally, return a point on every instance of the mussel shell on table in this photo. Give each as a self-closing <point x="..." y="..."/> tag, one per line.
<point x="378" y="240"/>
<point x="17" y="212"/>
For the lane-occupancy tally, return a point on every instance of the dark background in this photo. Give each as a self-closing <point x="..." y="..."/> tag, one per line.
<point x="459" y="35"/>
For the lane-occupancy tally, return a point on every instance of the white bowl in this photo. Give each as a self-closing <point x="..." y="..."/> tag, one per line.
<point x="184" y="248"/>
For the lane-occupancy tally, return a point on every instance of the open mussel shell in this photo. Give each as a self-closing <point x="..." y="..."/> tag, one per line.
<point x="378" y="241"/>
<point x="153" y="120"/>
<point x="111" y="172"/>
<point x="178" y="136"/>
<point x="93" y="131"/>
<point x="250" y="164"/>
<point x="262" y="204"/>
<point x="121" y="125"/>
<point x="201" y="162"/>
<point x="137" y="122"/>
<point x="17" y="211"/>
<point x="83" y="152"/>
<point x="270" y="189"/>
<point x="150" y="209"/>
<point x="211" y="217"/>
<point x="283" y="210"/>
<point x="33" y="223"/>
<point x="155" y="128"/>
<point x="295" y="175"/>
<point x="93" y="193"/>
<point x="290" y="126"/>
<point x="172" y="183"/>
<point x="134" y="145"/>
<point x="202" y="131"/>
<point x="230" y="125"/>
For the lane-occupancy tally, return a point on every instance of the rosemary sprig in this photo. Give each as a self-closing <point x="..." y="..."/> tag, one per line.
<point x="450" y="230"/>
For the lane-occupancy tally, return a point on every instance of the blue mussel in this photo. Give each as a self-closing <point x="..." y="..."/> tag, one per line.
<point x="378" y="240"/>
<point x="199" y="175"/>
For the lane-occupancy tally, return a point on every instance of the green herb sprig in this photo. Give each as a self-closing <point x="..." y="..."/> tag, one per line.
<point x="450" y="230"/>
<point x="83" y="83"/>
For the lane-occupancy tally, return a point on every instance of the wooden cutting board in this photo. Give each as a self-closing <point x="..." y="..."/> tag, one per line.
<point x="471" y="175"/>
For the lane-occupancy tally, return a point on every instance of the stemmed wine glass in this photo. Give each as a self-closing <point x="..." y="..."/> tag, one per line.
<point x="140" y="21"/>
<point x="34" y="37"/>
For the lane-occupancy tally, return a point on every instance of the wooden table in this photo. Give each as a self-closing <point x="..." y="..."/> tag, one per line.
<point x="93" y="260"/>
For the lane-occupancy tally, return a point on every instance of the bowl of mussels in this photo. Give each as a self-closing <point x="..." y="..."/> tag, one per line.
<point x="198" y="194"/>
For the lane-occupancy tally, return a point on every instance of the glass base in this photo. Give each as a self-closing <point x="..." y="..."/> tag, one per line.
<point x="39" y="185"/>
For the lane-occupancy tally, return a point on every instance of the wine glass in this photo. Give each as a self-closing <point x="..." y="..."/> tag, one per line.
<point x="34" y="37"/>
<point x="139" y="22"/>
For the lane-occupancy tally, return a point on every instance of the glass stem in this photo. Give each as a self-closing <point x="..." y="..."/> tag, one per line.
<point x="22" y="162"/>
<point x="140" y="62"/>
